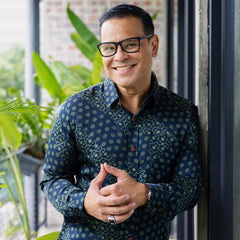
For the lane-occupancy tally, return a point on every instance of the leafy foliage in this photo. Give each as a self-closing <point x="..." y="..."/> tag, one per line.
<point x="50" y="236"/>
<point x="61" y="81"/>
<point x="11" y="69"/>
<point x="10" y="139"/>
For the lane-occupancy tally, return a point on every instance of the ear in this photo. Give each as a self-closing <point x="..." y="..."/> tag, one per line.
<point x="155" y="45"/>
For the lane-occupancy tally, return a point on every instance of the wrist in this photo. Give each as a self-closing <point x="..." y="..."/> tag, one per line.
<point x="145" y="194"/>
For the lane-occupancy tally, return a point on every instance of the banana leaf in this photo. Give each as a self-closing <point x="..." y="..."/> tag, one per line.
<point x="65" y="76"/>
<point x="82" y="29"/>
<point x="46" y="77"/>
<point x="83" y="46"/>
<point x="81" y="71"/>
<point x="95" y="76"/>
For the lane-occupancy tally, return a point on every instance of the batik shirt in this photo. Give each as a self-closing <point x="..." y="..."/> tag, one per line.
<point x="158" y="146"/>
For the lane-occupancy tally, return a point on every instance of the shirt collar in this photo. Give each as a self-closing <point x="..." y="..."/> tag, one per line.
<point x="112" y="94"/>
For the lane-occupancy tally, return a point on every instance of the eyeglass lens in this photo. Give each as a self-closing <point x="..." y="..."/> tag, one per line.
<point x="128" y="45"/>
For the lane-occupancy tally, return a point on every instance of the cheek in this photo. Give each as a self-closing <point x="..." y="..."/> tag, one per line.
<point x="106" y="64"/>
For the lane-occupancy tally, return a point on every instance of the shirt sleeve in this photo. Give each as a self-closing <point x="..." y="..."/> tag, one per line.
<point x="60" y="166"/>
<point x="183" y="191"/>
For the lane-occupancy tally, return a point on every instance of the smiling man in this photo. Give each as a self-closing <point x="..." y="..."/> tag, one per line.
<point x="123" y="155"/>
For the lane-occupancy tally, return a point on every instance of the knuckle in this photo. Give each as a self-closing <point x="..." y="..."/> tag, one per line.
<point x="101" y="211"/>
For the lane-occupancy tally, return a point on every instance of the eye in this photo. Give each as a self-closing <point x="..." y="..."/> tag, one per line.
<point x="130" y="44"/>
<point x="108" y="47"/>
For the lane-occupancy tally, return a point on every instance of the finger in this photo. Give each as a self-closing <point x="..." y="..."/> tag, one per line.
<point x="114" y="200"/>
<point x="98" y="180"/>
<point x="121" y="210"/>
<point x="114" y="189"/>
<point x="108" y="190"/>
<point x="120" y="218"/>
<point x="115" y="171"/>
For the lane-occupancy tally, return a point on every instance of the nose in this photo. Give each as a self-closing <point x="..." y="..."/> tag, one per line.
<point x="120" y="55"/>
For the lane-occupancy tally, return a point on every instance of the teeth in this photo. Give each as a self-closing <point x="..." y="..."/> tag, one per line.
<point x="123" y="68"/>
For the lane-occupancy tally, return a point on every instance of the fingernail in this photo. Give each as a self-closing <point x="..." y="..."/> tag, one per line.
<point x="127" y="197"/>
<point x="134" y="205"/>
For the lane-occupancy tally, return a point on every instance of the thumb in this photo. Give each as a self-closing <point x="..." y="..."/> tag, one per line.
<point x="114" y="171"/>
<point x="98" y="180"/>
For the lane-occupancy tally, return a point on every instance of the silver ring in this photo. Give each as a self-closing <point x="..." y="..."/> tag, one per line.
<point x="111" y="219"/>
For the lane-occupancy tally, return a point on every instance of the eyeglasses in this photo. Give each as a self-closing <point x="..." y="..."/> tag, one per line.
<point x="129" y="45"/>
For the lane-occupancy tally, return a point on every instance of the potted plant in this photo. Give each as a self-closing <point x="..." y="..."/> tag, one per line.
<point x="34" y="128"/>
<point x="10" y="140"/>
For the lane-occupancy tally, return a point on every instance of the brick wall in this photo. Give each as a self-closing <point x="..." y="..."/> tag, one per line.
<point x="56" y="28"/>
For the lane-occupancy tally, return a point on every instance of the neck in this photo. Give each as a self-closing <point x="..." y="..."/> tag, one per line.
<point x="133" y="101"/>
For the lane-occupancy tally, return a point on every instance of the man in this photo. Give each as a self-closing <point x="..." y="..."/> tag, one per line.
<point x="123" y="156"/>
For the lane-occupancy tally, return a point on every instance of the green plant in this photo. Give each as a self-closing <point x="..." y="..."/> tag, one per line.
<point x="34" y="127"/>
<point x="10" y="140"/>
<point x="11" y="69"/>
<point x="62" y="81"/>
<point x="2" y="185"/>
<point x="50" y="236"/>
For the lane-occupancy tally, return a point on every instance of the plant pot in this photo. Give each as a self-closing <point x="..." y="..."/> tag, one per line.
<point x="28" y="164"/>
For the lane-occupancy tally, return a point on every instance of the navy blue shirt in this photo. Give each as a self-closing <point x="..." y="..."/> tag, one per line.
<point x="158" y="146"/>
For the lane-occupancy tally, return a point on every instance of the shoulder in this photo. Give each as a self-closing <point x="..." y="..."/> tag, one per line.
<point x="171" y="100"/>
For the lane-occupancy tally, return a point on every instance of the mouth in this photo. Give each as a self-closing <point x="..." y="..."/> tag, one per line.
<point x="124" y="68"/>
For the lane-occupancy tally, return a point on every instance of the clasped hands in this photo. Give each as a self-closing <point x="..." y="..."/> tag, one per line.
<point x="119" y="199"/>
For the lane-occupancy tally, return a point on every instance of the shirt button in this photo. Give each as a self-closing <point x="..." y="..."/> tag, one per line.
<point x="134" y="119"/>
<point x="133" y="149"/>
<point x="129" y="238"/>
<point x="118" y="104"/>
<point x="154" y="210"/>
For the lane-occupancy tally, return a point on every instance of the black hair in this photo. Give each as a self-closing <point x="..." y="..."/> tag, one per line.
<point x="126" y="10"/>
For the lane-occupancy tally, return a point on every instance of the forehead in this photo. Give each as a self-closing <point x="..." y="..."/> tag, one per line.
<point x="117" y="29"/>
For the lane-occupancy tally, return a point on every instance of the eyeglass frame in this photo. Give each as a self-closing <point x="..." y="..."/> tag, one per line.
<point x="120" y="43"/>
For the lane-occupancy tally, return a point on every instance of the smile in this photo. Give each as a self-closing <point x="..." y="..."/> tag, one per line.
<point x="123" y="68"/>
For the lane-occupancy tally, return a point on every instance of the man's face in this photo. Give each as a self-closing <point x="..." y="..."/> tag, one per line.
<point x="130" y="71"/>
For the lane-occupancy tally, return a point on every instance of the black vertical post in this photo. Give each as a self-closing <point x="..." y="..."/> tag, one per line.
<point x="221" y="118"/>
<point x="214" y="139"/>
<point x="190" y="87"/>
<point x="181" y="47"/>
<point x="170" y="44"/>
<point x="186" y="88"/>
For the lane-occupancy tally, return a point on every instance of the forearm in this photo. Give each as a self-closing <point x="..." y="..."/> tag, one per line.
<point x="170" y="199"/>
<point x="64" y="196"/>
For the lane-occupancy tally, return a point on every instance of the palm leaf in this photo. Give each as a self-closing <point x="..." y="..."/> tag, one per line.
<point x="9" y="133"/>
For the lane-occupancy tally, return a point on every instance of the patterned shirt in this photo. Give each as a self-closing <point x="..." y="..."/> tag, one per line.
<point x="158" y="146"/>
